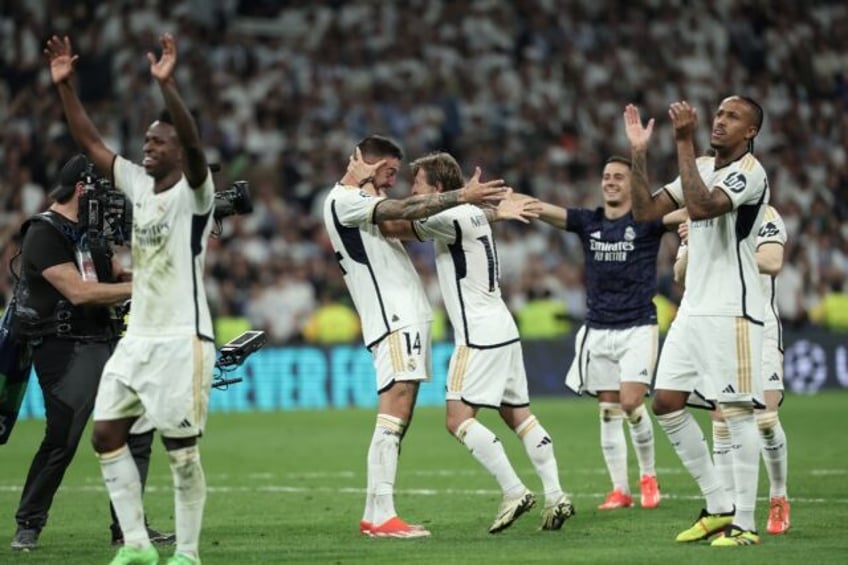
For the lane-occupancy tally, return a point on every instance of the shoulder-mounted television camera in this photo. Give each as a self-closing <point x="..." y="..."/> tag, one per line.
<point x="105" y="213"/>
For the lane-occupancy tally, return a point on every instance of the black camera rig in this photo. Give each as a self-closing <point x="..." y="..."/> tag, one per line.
<point x="105" y="213"/>
<point x="233" y="353"/>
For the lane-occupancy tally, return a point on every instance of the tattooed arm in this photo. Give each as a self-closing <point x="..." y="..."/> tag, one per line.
<point x="424" y="205"/>
<point x="417" y="206"/>
<point x="701" y="202"/>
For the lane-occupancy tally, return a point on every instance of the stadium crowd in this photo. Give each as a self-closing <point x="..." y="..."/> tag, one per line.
<point x="532" y="91"/>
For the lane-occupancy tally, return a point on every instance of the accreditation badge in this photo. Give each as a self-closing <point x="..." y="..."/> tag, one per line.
<point x="85" y="264"/>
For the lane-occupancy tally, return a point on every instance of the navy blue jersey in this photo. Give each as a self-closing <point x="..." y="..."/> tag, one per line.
<point x="621" y="267"/>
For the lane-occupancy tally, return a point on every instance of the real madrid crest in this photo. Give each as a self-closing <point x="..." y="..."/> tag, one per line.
<point x="629" y="233"/>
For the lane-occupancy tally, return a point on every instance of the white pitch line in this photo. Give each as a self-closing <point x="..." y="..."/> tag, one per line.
<point x="287" y="489"/>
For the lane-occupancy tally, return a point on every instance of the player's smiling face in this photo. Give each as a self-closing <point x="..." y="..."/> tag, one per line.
<point x="161" y="150"/>
<point x="615" y="184"/>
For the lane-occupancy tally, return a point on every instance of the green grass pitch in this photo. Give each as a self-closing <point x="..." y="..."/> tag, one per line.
<point x="287" y="487"/>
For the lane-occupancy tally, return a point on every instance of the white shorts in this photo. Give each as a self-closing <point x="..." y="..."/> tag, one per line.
<point x="772" y="359"/>
<point x="604" y="358"/>
<point x="488" y="377"/>
<point x="403" y="355"/>
<point x="166" y="380"/>
<point x="716" y="358"/>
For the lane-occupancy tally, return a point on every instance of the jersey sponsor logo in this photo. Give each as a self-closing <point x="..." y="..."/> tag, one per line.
<point x="736" y="182"/>
<point x="610" y="251"/>
<point x="150" y="236"/>
<point x="769" y="229"/>
<point x="629" y="233"/>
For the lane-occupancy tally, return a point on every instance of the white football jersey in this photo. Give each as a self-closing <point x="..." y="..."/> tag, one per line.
<point x="773" y="230"/>
<point x="467" y="265"/>
<point x="722" y="278"/>
<point x="170" y="232"/>
<point x="386" y="290"/>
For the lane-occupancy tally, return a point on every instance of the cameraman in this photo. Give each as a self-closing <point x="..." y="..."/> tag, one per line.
<point x="65" y="297"/>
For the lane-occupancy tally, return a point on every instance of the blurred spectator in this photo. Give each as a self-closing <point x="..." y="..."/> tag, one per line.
<point x="332" y="322"/>
<point x="832" y="311"/>
<point x="543" y="317"/>
<point x="530" y="90"/>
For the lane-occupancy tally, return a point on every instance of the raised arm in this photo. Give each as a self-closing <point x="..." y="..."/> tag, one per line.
<point x="62" y="59"/>
<point x="194" y="164"/>
<point x="701" y="202"/>
<point x="646" y="206"/>
<point x="423" y="205"/>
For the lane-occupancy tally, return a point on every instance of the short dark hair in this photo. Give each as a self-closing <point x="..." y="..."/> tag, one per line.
<point x="379" y="147"/>
<point x="759" y="115"/>
<point x="619" y="159"/>
<point x="440" y="167"/>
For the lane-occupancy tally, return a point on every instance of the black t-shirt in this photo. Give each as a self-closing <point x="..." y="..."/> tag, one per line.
<point x="44" y="246"/>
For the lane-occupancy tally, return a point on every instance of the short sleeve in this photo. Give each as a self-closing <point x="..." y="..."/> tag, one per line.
<point x="773" y="229"/>
<point x="743" y="185"/>
<point x="204" y="195"/>
<point x="355" y="207"/>
<point x="576" y="219"/>
<point x="130" y="178"/>
<point x="44" y="247"/>
<point x="675" y="190"/>
<point x="439" y="227"/>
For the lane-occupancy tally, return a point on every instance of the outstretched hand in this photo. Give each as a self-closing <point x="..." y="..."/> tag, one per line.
<point x="521" y="209"/>
<point x="684" y="118"/>
<point x="637" y="134"/>
<point x="360" y="169"/>
<point x="476" y="192"/>
<point x="61" y="58"/>
<point x="164" y="67"/>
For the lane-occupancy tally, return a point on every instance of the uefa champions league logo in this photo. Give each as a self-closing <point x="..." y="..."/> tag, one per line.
<point x="805" y="367"/>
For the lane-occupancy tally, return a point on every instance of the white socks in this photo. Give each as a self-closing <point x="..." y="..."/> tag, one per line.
<point x="488" y="450"/>
<point x="688" y="441"/>
<point x="382" y="469"/>
<point x="189" y="498"/>
<point x="722" y="457"/>
<point x="614" y="444"/>
<point x="540" y="449"/>
<point x="774" y="452"/>
<point x="746" y="461"/>
<point x="642" y="436"/>
<point x="124" y="486"/>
